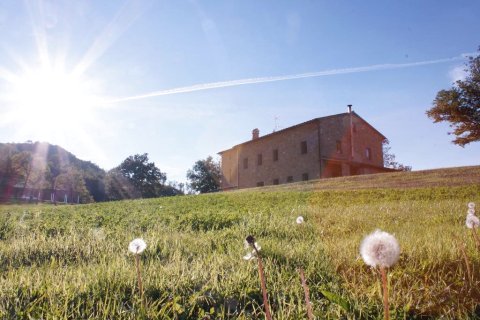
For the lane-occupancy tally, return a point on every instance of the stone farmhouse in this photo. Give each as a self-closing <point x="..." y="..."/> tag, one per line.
<point x="338" y="145"/>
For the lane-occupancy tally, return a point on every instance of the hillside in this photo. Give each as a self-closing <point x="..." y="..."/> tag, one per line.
<point x="445" y="177"/>
<point x="52" y="152"/>
<point x="73" y="262"/>
<point x="43" y="172"/>
<point x="52" y="160"/>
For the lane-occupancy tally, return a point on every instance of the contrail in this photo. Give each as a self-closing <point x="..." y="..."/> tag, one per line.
<point x="233" y="83"/>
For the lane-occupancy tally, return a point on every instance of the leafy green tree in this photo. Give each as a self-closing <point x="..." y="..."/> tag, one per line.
<point x="174" y="188"/>
<point x="118" y="187"/>
<point x="460" y="105"/>
<point x="72" y="181"/>
<point x="23" y="165"/>
<point x="144" y="176"/>
<point x="53" y="170"/>
<point x="205" y="175"/>
<point x="7" y="172"/>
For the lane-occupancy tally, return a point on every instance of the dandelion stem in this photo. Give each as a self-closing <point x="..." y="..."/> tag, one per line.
<point x="386" y="309"/>
<point x="467" y="262"/>
<point x="266" y="305"/>
<point x="139" y="277"/>
<point x="307" y="294"/>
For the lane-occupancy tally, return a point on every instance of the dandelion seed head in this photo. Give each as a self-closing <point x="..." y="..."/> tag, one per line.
<point x="380" y="249"/>
<point x="471" y="211"/>
<point x="250" y="243"/>
<point x="137" y="246"/>
<point x="250" y="240"/>
<point x="472" y="221"/>
<point x="300" y="220"/>
<point x="471" y="205"/>
<point x="249" y="256"/>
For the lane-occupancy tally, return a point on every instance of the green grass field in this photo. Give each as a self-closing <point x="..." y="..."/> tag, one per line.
<point x="72" y="261"/>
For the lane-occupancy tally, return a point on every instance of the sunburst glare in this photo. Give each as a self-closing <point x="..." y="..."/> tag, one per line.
<point x="47" y="98"/>
<point x="52" y="99"/>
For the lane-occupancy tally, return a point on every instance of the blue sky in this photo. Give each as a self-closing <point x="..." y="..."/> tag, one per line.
<point x="114" y="50"/>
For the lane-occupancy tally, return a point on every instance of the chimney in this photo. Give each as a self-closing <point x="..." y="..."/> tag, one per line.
<point x="255" y="134"/>
<point x="349" y="108"/>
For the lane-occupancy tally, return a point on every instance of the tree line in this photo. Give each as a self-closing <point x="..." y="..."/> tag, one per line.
<point x="28" y="169"/>
<point x="25" y="167"/>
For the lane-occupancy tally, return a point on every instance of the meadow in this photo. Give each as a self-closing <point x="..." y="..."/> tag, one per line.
<point x="72" y="262"/>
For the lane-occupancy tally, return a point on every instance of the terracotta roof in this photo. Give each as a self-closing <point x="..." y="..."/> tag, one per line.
<point x="302" y="124"/>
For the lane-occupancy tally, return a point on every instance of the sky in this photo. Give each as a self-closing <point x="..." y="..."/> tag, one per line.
<point x="182" y="80"/>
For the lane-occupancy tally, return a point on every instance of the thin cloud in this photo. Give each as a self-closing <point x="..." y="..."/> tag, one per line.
<point x="233" y="83"/>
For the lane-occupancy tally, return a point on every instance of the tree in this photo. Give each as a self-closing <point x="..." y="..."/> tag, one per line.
<point x="174" y="188"/>
<point x="54" y="168"/>
<point x="461" y="105"/>
<point x="8" y="175"/>
<point x="72" y="180"/>
<point x="118" y="187"/>
<point x="205" y="175"/>
<point x="23" y="164"/>
<point x="389" y="158"/>
<point x="144" y="176"/>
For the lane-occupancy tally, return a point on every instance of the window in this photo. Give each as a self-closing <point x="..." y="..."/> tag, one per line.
<point x="368" y="153"/>
<point x="260" y="184"/>
<point x="259" y="159"/>
<point x="275" y="154"/>
<point x="290" y="179"/>
<point x="305" y="177"/>
<point x="245" y="163"/>
<point x="303" y="147"/>
<point x="339" y="146"/>
<point x="276" y="181"/>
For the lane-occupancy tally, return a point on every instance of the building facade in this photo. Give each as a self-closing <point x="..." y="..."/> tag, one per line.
<point x="333" y="146"/>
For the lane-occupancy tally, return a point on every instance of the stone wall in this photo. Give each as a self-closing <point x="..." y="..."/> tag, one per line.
<point x="329" y="153"/>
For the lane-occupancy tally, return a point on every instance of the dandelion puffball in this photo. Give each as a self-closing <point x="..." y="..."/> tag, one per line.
<point x="471" y="205"/>
<point x="250" y="243"/>
<point x="300" y="220"/>
<point x="137" y="246"/>
<point x="472" y="221"/>
<point x="380" y="249"/>
<point x="250" y="239"/>
<point x="249" y="256"/>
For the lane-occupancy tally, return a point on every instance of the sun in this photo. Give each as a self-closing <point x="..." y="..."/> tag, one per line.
<point x="47" y="100"/>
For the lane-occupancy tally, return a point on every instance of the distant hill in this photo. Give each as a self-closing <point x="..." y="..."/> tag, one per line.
<point x="55" y="151"/>
<point x="52" y="161"/>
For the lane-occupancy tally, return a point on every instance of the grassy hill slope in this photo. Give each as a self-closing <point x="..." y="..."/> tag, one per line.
<point x="446" y="177"/>
<point x="72" y="261"/>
